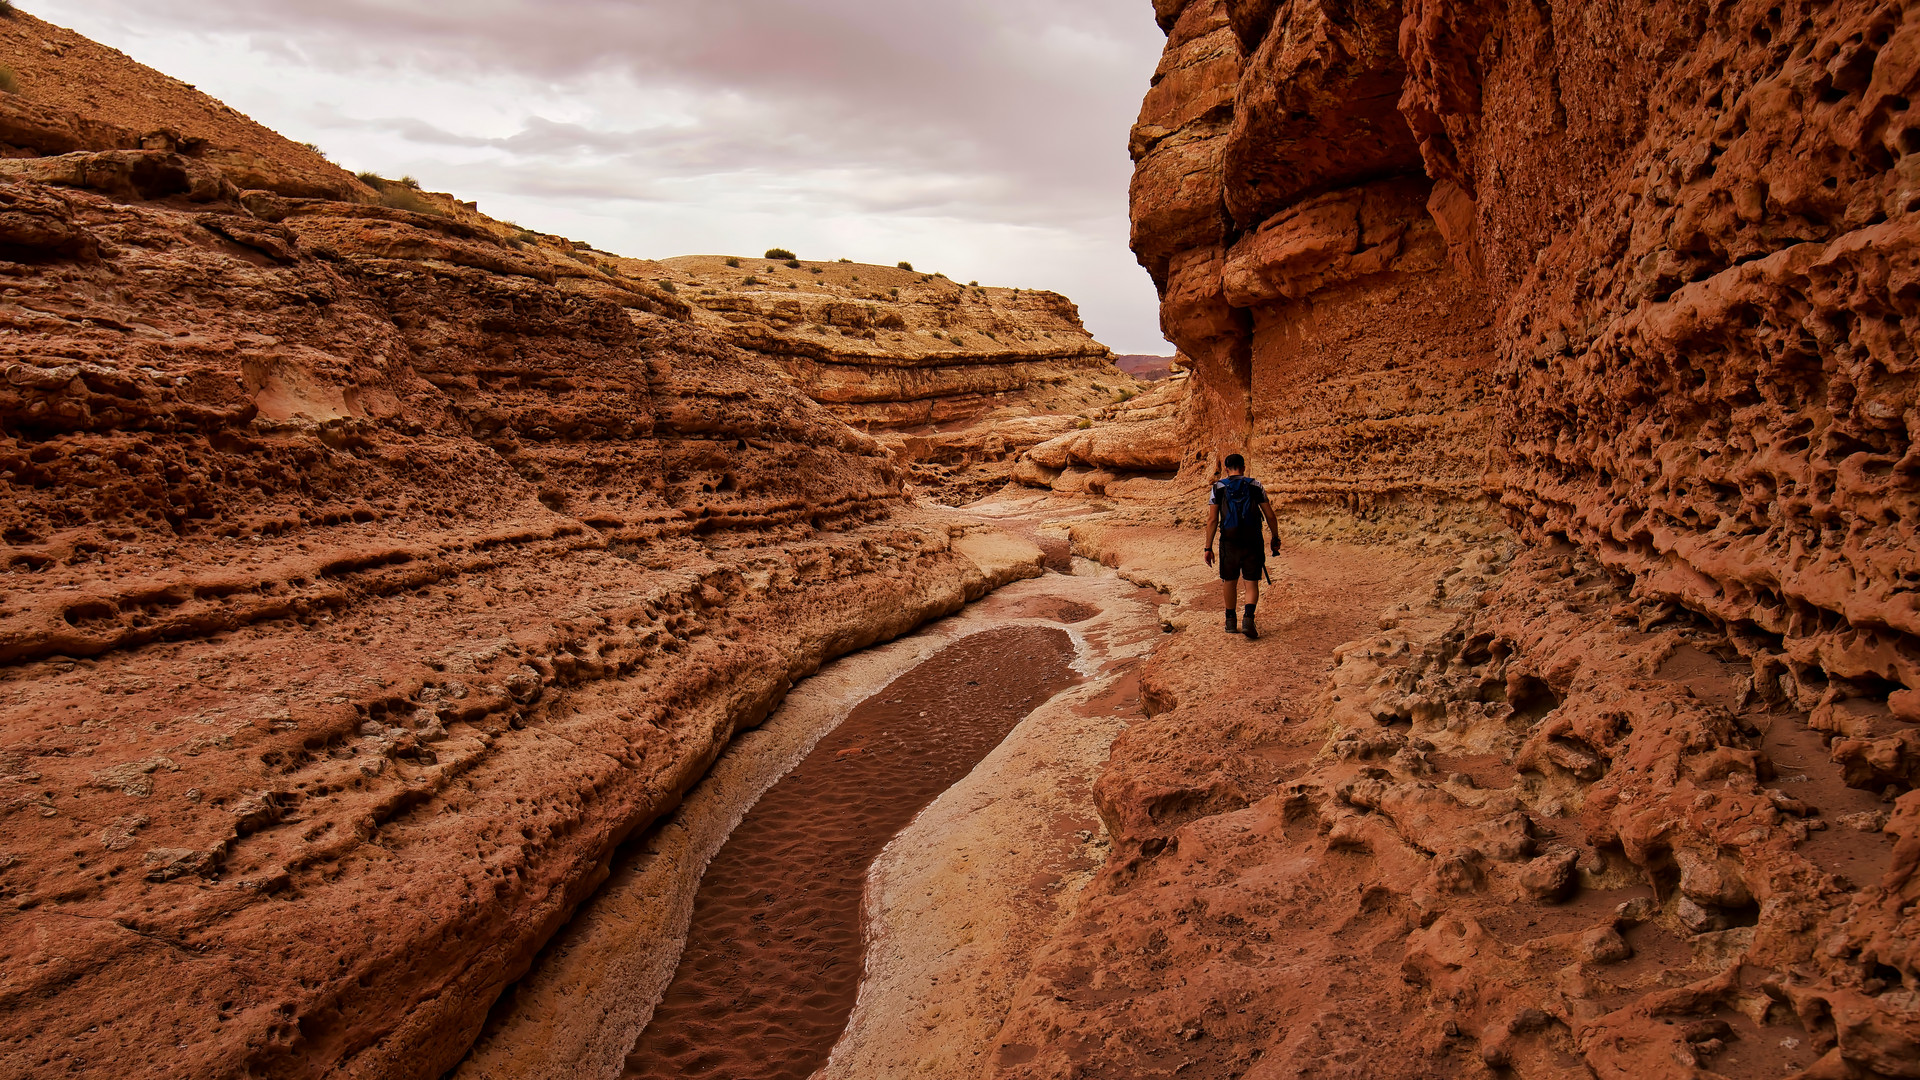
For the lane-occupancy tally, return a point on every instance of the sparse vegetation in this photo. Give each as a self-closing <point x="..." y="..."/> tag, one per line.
<point x="669" y="286"/>
<point x="316" y="150"/>
<point x="1129" y="394"/>
<point x="956" y="340"/>
<point x="8" y="11"/>
<point x="777" y="254"/>
<point x="940" y="275"/>
<point x="735" y="263"/>
<point x="751" y="280"/>
<point x="408" y="181"/>
<point x="9" y="82"/>
<point x="1084" y="424"/>
<point x="405" y="198"/>
<point x="974" y="284"/>
<point x="847" y="261"/>
<point x="791" y="285"/>
<point x="894" y="292"/>
<point x="793" y="264"/>
<point x="817" y="270"/>
<point x="371" y="179"/>
<point x="907" y="266"/>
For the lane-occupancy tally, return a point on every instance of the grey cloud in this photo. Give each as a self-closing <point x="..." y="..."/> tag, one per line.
<point x="1002" y="112"/>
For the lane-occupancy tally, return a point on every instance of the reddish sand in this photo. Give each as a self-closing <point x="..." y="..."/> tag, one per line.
<point x="772" y="962"/>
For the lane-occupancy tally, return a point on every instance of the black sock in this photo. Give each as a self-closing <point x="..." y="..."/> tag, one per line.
<point x="1249" y="611"/>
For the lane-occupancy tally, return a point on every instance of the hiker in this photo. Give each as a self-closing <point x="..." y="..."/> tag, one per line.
<point x="1232" y="507"/>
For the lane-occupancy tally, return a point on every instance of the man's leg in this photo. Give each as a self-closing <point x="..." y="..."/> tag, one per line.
<point x="1253" y="598"/>
<point x="1229" y="589"/>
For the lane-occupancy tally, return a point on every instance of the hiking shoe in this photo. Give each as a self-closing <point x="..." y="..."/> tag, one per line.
<point x="1233" y="625"/>
<point x="1247" y="627"/>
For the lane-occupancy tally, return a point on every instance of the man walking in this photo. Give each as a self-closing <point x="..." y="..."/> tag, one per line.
<point x="1236" y="506"/>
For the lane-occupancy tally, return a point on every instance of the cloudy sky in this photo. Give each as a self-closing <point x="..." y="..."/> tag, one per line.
<point x="982" y="138"/>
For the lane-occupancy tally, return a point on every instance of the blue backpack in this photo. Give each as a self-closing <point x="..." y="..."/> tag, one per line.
<point x="1239" y="510"/>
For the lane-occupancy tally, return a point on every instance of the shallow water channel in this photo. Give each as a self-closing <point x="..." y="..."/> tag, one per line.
<point x="772" y="961"/>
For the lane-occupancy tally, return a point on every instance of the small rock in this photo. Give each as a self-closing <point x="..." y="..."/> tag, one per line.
<point x="119" y="835"/>
<point x="1603" y="945"/>
<point x="1697" y="917"/>
<point x="1637" y="910"/>
<point x="1867" y="821"/>
<point x="1550" y="878"/>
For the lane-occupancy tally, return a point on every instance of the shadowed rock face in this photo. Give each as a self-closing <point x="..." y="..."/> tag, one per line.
<point x="1640" y="800"/>
<point x="1680" y="232"/>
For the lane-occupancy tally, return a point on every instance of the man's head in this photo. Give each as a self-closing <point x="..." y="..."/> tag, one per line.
<point x="1235" y="464"/>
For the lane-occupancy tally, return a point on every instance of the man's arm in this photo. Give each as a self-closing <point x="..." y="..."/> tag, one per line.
<point x="1273" y="525"/>
<point x="1213" y="521"/>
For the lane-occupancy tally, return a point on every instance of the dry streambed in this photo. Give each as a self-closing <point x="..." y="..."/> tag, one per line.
<point x="952" y="905"/>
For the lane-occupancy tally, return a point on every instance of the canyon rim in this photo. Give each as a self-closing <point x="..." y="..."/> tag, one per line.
<point x="380" y="576"/>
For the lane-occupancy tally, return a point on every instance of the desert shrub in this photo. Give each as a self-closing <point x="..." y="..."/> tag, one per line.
<point x="408" y="181"/>
<point x="8" y="11"/>
<point x="751" y="280"/>
<point x="670" y="286"/>
<point x="315" y="149"/>
<point x="526" y="236"/>
<point x="777" y="254"/>
<point x="817" y="270"/>
<point x="790" y="285"/>
<point x="940" y="275"/>
<point x="973" y="284"/>
<point x="371" y="179"/>
<point x="1100" y="387"/>
<point x="856" y="277"/>
<point x="735" y="263"/>
<point x="907" y="266"/>
<point x="894" y="292"/>
<point x="1084" y="424"/>
<point x="846" y="260"/>
<point x="1129" y="395"/>
<point x="793" y="264"/>
<point x="405" y="198"/>
<point x="956" y="340"/>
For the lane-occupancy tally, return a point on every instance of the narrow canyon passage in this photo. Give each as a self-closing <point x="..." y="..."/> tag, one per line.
<point x="773" y="957"/>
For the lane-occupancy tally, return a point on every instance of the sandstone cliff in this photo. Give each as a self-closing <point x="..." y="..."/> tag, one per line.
<point x="1637" y="800"/>
<point x="372" y="570"/>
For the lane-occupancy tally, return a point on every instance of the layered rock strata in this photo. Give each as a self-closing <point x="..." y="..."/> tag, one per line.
<point x="370" y="575"/>
<point x="957" y="380"/>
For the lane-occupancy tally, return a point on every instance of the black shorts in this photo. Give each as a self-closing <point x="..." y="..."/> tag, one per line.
<point x="1242" y="562"/>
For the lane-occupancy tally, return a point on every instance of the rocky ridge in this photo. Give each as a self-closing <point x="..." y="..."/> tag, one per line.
<point x="373" y="569"/>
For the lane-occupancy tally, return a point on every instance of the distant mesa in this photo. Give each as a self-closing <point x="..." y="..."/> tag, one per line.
<point x="1145" y="367"/>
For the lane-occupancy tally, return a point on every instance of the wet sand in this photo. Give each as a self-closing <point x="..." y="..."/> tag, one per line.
<point x="772" y="962"/>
